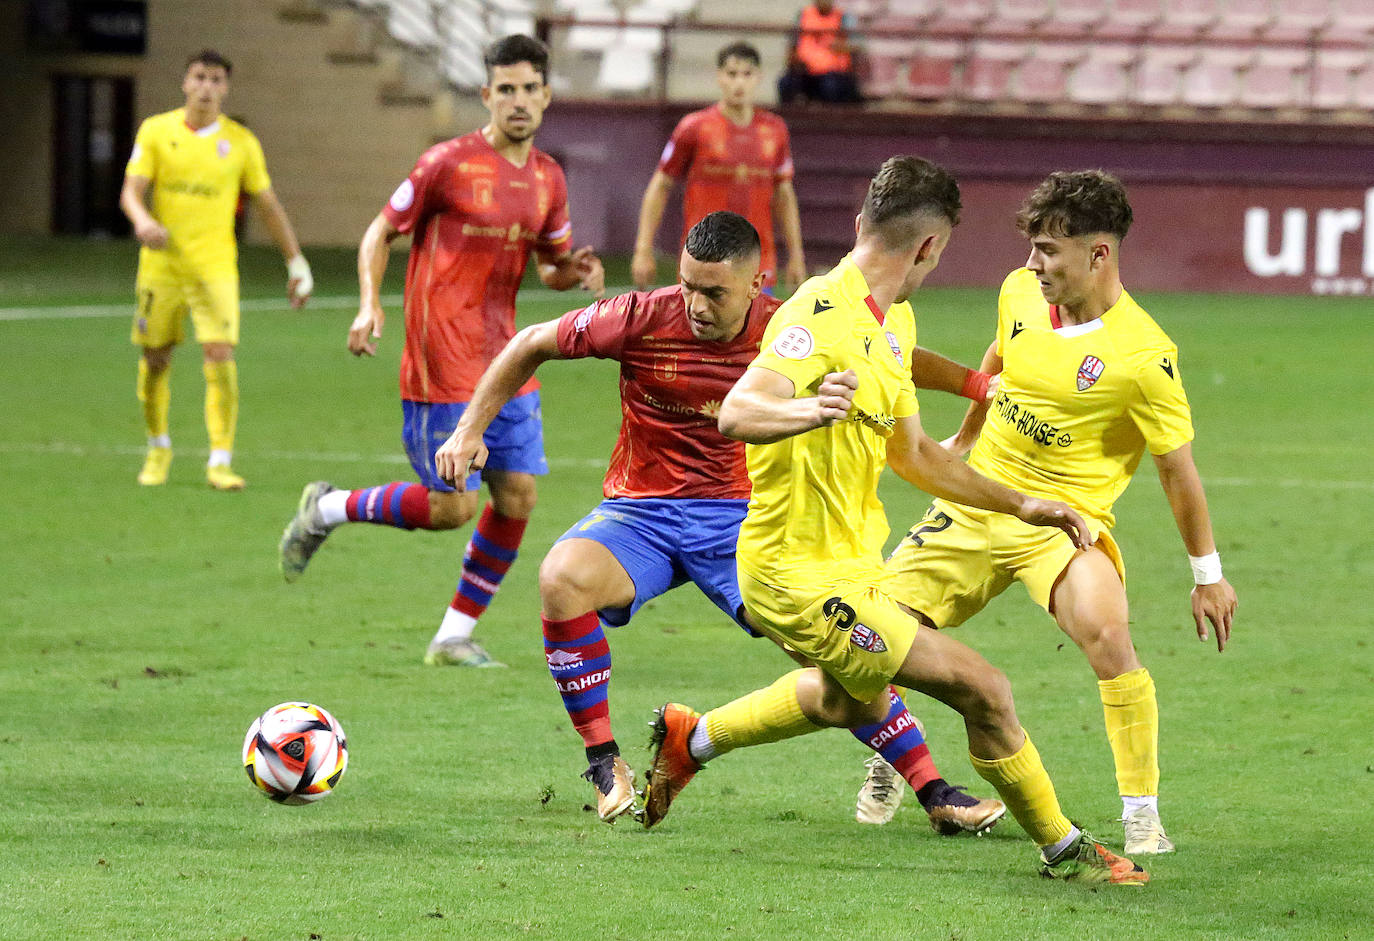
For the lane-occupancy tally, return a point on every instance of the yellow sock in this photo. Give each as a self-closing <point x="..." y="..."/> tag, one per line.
<point x="1132" y="714"/>
<point x="155" y="394"/>
<point x="766" y="715"/>
<point x="221" y="403"/>
<point x="1024" y="785"/>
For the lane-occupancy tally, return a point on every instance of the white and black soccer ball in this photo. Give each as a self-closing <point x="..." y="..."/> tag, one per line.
<point x="295" y="753"/>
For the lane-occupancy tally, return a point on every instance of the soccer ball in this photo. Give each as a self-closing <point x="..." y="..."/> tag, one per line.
<point x="295" y="753"/>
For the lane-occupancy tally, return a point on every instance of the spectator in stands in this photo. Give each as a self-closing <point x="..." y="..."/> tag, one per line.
<point x="820" y="66"/>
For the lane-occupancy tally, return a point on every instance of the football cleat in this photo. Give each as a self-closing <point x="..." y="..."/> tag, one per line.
<point x="881" y="793"/>
<point x="222" y="477"/>
<point x="615" y="786"/>
<point x="952" y="811"/>
<point x="459" y="653"/>
<point x="1087" y="860"/>
<point x="673" y="765"/>
<point x="1145" y="834"/>
<point x="305" y="533"/>
<point x="155" y="467"/>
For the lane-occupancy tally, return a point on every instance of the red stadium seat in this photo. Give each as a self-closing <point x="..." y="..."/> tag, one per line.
<point x="1015" y="15"/>
<point x="1130" y="18"/>
<point x="1272" y="81"/>
<point x="887" y="60"/>
<point x="1186" y="18"/>
<point x="1297" y="20"/>
<point x="1042" y="77"/>
<point x="1076" y="17"/>
<point x="1351" y="20"/>
<point x="1213" y="81"/>
<point x="962" y="14"/>
<point x="988" y="71"/>
<point x="933" y="68"/>
<point x="1159" y="74"/>
<point x="1332" y="77"/>
<point x="912" y="9"/>
<point x="1243" y="19"/>
<point x="1362" y="88"/>
<point x="1103" y="75"/>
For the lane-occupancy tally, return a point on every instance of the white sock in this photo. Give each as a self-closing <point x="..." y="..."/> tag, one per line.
<point x="334" y="507"/>
<point x="220" y="457"/>
<point x="1051" y="853"/>
<point x="159" y="441"/>
<point x="455" y="626"/>
<point x="1130" y="805"/>
<point x="699" y="746"/>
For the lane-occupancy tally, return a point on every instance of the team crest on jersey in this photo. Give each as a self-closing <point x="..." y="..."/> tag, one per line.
<point x="482" y="193"/>
<point x="896" y="347"/>
<point x="404" y="196"/>
<point x="866" y="638"/>
<point x="665" y="368"/>
<point x="1089" y="371"/>
<point x="223" y="148"/>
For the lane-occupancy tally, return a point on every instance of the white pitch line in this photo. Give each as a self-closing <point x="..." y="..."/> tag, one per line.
<point x="336" y="457"/>
<point x="259" y="304"/>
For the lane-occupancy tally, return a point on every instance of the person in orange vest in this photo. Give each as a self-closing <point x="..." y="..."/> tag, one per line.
<point x="820" y="66"/>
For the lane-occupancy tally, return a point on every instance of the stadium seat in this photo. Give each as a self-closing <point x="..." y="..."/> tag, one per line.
<point x="1130" y="18"/>
<point x="1242" y="19"/>
<point x="961" y="15"/>
<point x="886" y="61"/>
<point x="625" y="69"/>
<point x="1272" y="81"/>
<point x="1300" y="20"/>
<point x="933" y="69"/>
<point x="644" y="28"/>
<point x="1362" y="88"/>
<point x="1103" y="76"/>
<point x="1183" y="19"/>
<point x="988" y="70"/>
<point x="1015" y="15"/>
<point x="1159" y="74"/>
<point x="674" y="8"/>
<point x="1332" y="80"/>
<point x="1042" y="77"/>
<point x="912" y="9"/>
<point x="1213" y="81"/>
<point x="1076" y="17"/>
<point x="593" y="38"/>
<point x="1351" y="21"/>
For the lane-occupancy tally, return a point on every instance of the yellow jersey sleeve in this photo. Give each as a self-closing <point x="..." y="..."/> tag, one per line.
<point x="798" y="344"/>
<point x="1159" y="407"/>
<point x="143" y="159"/>
<point x="255" y="179"/>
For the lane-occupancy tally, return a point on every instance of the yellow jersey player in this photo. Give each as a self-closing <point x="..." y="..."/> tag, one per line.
<point x="826" y="404"/>
<point x="196" y="162"/>
<point x="1088" y="383"/>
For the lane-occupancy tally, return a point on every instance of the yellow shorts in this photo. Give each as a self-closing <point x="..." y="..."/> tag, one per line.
<point x="160" y="317"/>
<point x="957" y="559"/>
<point x="853" y="631"/>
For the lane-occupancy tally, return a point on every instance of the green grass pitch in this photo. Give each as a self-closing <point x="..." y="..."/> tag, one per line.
<point x="144" y="629"/>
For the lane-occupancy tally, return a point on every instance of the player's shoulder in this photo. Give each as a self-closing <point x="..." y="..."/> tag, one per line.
<point x="770" y="119"/>
<point x="163" y="121"/>
<point x="233" y="129"/>
<point x="1020" y="283"/>
<point x="1137" y="333"/>
<point x="544" y="163"/>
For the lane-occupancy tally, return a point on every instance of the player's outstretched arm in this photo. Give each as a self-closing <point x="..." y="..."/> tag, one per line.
<point x="643" y="267"/>
<point x="980" y="386"/>
<point x="299" y="281"/>
<point x="146" y="229"/>
<point x="373" y="252"/>
<point x="760" y="409"/>
<point x="464" y="451"/>
<point x="920" y="460"/>
<point x="1213" y="598"/>
<point x="574" y="269"/>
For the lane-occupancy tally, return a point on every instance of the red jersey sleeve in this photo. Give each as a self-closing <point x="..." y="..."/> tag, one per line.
<point x="555" y="237"/>
<point x="782" y="170"/>
<point x="598" y="330"/>
<point x="681" y="146"/>
<point x="411" y="201"/>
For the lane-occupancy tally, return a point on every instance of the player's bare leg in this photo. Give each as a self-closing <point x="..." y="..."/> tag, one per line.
<point x="1003" y="754"/>
<point x="221" y="414"/>
<point x="1090" y="605"/>
<point x="578" y="578"/>
<point x="154" y="396"/>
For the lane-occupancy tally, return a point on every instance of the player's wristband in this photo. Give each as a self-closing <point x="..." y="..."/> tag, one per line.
<point x="1206" y="568"/>
<point x="298" y="269"/>
<point x="976" y="385"/>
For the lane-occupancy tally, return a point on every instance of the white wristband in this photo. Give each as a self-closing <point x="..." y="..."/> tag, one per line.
<point x="298" y="269"/>
<point x="1206" y="568"/>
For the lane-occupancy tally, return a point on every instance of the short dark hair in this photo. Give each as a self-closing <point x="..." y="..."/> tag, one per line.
<point x="209" y="57"/>
<point x="738" y="49"/>
<point x="517" y="48"/>
<point x="1079" y="202"/>
<point x="905" y="188"/>
<point x="723" y="236"/>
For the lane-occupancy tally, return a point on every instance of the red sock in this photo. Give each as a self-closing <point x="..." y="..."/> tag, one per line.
<point x="580" y="661"/>
<point x="488" y="558"/>
<point x="403" y="505"/>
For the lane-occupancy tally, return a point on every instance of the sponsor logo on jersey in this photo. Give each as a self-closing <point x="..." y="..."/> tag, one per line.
<point x="866" y="638"/>
<point x="563" y="659"/>
<point x="1168" y="367"/>
<point x="583" y="682"/>
<point x="795" y="342"/>
<point x="1027" y="423"/>
<point x="896" y="347"/>
<point x="821" y="306"/>
<point x="222" y="148"/>
<point x="403" y="197"/>
<point x="1016" y="328"/>
<point x="482" y="193"/>
<point x="1089" y="371"/>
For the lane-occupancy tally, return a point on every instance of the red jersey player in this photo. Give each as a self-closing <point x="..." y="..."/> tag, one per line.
<point x="676" y="490"/>
<point x="734" y="156"/>
<point x="475" y="208"/>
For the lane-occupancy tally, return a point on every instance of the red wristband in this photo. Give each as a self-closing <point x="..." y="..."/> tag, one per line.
<point x="976" y="385"/>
